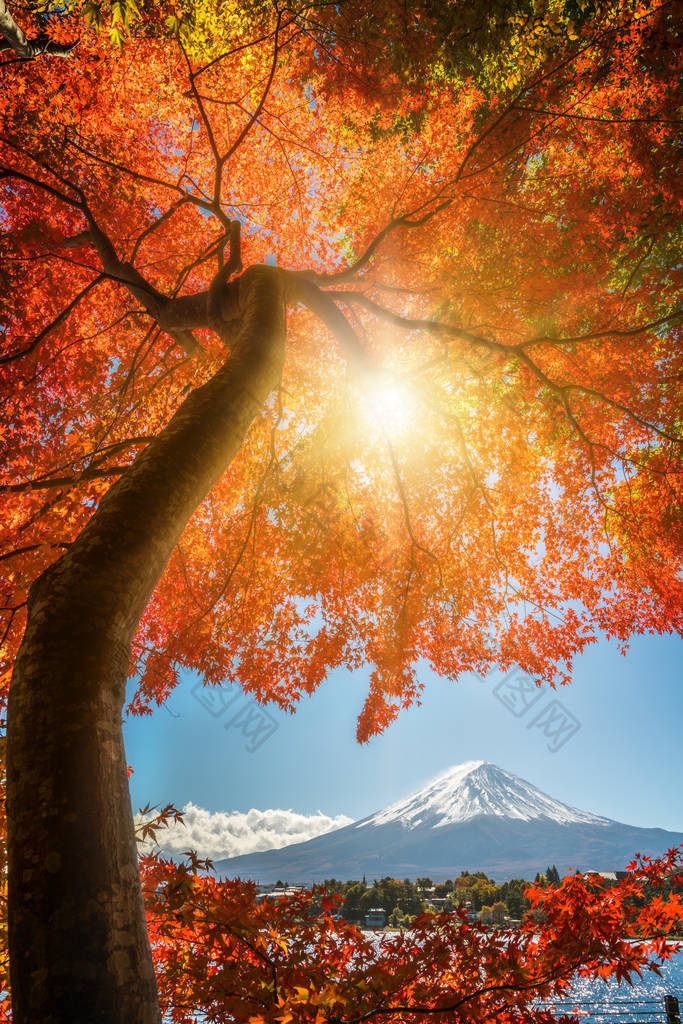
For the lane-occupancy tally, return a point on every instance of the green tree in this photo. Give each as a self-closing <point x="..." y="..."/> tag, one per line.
<point x="498" y="911"/>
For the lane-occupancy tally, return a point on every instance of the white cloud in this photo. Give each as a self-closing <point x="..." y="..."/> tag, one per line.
<point x="218" y="835"/>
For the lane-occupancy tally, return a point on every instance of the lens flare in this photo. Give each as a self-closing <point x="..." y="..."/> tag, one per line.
<point x="388" y="405"/>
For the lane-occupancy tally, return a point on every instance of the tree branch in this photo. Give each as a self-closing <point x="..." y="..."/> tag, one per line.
<point x="59" y="319"/>
<point x="301" y="289"/>
<point x="63" y="481"/>
<point x="404" y="221"/>
<point x="28" y="49"/>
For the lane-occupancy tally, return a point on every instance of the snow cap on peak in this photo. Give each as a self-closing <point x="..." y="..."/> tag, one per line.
<point x="478" y="788"/>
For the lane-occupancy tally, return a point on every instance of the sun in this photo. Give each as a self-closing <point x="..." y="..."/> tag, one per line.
<point x="388" y="405"/>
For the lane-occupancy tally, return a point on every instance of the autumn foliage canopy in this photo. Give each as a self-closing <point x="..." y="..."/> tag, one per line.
<point x="504" y="487"/>
<point x="473" y="455"/>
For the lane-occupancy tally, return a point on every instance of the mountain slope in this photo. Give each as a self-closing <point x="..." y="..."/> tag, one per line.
<point x="475" y="817"/>
<point x="475" y="788"/>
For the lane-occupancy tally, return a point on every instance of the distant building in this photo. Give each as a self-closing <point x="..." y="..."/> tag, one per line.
<point x="277" y="893"/>
<point x="438" y="902"/>
<point x="376" y="917"/>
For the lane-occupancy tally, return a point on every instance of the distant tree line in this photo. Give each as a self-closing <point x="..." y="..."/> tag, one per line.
<point x="404" y="900"/>
<point x="474" y="892"/>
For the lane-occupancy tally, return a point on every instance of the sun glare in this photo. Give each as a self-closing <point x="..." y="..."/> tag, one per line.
<point x="388" y="405"/>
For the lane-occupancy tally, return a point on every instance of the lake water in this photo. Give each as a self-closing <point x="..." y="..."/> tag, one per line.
<point x="611" y="1002"/>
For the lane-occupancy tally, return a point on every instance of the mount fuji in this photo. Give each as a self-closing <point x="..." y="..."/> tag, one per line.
<point x="474" y="817"/>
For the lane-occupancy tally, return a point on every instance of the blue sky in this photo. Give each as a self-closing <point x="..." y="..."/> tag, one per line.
<point x="620" y="754"/>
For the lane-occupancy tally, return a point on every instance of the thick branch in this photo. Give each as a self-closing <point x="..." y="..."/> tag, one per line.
<point x="63" y="481"/>
<point x="28" y="49"/>
<point x="114" y="268"/>
<point x="228" y="270"/>
<point x="412" y="324"/>
<point x="299" y="289"/>
<point x="125" y="273"/>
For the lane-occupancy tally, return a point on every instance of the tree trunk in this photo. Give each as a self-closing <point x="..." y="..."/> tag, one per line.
<point x="29" y="49"/>
<point x="79" y="951"/>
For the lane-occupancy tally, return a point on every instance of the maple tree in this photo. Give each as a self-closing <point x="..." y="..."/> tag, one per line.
<point x="434" y="418"/>
<point x="221" y="952"/>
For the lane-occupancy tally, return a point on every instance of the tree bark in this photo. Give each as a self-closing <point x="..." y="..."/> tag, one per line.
<point x="27" y="49"/>
<point x="79" y="951"/>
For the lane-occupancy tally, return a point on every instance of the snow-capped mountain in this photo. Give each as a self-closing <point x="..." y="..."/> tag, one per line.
<point x="474" y="817"/>
<point x="475" y="788"/>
